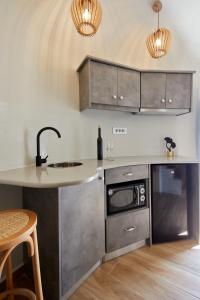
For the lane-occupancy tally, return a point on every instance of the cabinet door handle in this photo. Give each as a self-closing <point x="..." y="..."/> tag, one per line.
<point x="163" y="100"/>
<point x="128" y="174"/>
<point x="130" y="229"/>
<point x="170" y="100"/>
<point x="121" y="97"/>
<point x="114" y="97"/>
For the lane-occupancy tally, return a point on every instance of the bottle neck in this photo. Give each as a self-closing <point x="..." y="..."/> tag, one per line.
<point x="99" y="132"/>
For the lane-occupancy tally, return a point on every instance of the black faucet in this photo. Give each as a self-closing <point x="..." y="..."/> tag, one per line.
<point x="39" y="160"/>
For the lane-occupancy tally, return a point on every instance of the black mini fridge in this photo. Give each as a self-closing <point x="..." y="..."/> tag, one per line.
<point x="169" y="202"/>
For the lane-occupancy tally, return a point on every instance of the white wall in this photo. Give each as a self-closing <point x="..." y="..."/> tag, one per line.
<point x="39" y="53"/>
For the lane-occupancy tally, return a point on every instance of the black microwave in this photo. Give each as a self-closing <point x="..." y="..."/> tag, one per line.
<point x="124" y="197"/>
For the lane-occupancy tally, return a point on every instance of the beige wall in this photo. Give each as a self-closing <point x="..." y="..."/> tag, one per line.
<point x="39" y="53"/>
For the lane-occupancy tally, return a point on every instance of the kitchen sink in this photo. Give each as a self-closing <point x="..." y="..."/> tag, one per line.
<point x="65" y="165"/>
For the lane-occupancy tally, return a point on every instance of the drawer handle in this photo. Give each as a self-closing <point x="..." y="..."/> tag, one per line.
<point x="130" y="229"/>
<point x="128" y="174"/>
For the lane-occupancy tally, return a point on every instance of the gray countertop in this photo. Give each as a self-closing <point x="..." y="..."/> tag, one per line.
<point x="45" y="177"/>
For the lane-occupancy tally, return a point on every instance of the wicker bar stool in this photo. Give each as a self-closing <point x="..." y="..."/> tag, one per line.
<point x="17" y="227"/>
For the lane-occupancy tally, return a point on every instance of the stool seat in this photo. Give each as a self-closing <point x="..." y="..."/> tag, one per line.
<point x="12" y="223"/>
<point x="17" y="227"/>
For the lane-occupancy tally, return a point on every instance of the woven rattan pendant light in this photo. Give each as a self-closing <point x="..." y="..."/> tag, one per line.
<point x="86" y="15"/>
<point x="159" y="41"/>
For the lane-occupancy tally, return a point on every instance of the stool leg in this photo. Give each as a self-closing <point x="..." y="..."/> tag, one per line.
<point x="9" y="276"/>
<point x="36" y="268"/>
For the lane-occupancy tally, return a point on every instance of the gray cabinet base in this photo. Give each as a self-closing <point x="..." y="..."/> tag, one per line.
<point x="79" y="283"/>
<point x="71" y="234"/>
<point x="125" y="250"/>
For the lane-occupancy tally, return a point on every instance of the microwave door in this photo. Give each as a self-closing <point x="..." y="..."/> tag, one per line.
<point x="120" y="199"/>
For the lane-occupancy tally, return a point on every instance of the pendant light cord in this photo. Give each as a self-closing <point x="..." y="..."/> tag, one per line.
<point x="158" y="20"/>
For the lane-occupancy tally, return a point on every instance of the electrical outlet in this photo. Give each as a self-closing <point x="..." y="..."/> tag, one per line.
<point x="120" y="130"/>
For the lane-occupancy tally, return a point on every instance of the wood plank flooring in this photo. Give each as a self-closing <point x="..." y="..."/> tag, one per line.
<point x="162" y="272"/>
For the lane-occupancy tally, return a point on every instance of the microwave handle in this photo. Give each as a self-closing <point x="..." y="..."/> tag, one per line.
<point x="138" y="195"/>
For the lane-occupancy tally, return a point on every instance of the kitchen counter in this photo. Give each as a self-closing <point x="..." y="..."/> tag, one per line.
<point x="45" y="177"/>
<point x="77" y="220"/>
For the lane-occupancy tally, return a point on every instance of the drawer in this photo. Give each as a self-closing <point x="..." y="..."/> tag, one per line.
<point x="124" y="174"/>
<point x="127" y="228"/>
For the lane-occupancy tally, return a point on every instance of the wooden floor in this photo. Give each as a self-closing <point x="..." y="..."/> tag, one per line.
<point x="162" y="272"/>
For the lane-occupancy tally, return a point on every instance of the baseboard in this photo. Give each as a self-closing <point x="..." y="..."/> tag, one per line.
<point x="123" y="251"/>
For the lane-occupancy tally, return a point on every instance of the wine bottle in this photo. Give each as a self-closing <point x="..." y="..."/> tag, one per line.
<point x="99" y="145"/>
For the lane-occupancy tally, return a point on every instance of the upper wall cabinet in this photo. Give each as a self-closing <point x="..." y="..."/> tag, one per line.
<point x="105" y="85"/>
<point x="178" y="91"/>
<point x="102" y="84"/>
<point x="153" y="90"/>
<point x="169" y="92"/>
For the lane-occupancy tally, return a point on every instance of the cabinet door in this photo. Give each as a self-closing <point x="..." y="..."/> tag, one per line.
<point x="178" y="91"/>
<point x="82" y="231"/>
<point x="128" y="88"/>
<point x="103" y="88"/>
<point x="153" y="87"/>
